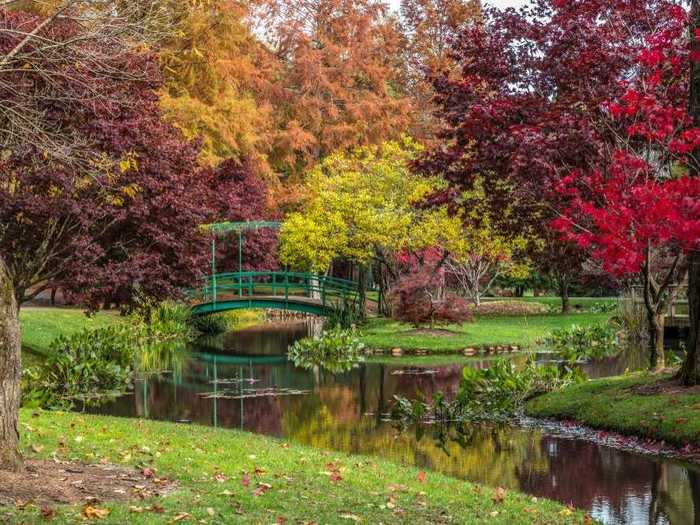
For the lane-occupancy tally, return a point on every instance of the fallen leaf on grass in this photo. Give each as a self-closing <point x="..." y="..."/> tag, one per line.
<point x="245" y="480"/>
<point x="220" y="477"/>
<point x="350" y="517"/>
<point x="499" y="495"/>
<point x="262" y="489"/>
<point x="91" y="512"/>
<point x="180" y="517"/>
<point x="421" y="477"/>
<point x="47" y="513"/>
<point x="148" y="472"/>
<point x="136" y="510"/>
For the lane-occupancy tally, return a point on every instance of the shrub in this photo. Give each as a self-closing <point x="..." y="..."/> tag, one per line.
<point x="511" y="308"/>
<point x="631" y="318"/>
<point x="418" y="298"/>
<point x="336" y="350"/>
<point x="603" y="307"/>
<point x="583" y="343"/>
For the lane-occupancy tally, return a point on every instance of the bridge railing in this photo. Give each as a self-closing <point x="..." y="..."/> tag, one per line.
<point x="328" y="291"/>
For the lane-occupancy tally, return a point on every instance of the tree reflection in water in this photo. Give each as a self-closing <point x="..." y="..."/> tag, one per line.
<point x="345" y="412"/>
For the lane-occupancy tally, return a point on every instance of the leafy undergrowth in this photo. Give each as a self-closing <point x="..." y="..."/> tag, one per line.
<point x="234" y="477"/>
<point x="485" y="331"/>
<point x="629" y="405"/>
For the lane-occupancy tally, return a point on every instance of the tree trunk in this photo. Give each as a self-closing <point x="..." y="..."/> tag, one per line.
<point x="690" y="371"/>
<point x="10" y="375"/>
<point x="564" y="294"/>
<point x="362" y="291"/>
<point x="657" y="359"/>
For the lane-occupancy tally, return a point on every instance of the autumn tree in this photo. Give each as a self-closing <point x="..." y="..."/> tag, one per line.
<point x="216" y="80"/>
<point x="338" y="83"/>
<point x="482" y="254"/>
<point x="431" y="27"/>
<point x="638" y="210"/>
<point x="363" y="206"/>
<point x="690" y="372"/>
<point x="45" y="74"/>
<point x="105" y="198"/>
<point x="525" y="108"/>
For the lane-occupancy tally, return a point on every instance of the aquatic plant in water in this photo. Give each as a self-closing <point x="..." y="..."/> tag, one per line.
<point x="496" y="394"/>
<point x="336" y="350"/>
<point x="583" y="343"/>
<point x="95" y="365"/>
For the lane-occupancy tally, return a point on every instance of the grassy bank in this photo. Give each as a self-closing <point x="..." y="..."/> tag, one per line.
<point x="41" y="325"/>
<point x="485" y="331"/>
<point x="628" y="405"/>
<point x="305" y="485"/>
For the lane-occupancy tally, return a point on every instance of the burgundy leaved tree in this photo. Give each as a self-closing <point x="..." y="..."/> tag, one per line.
<point x="246" y="199"/>
<point x="420" y="296"/>
<point x="115" y="207"/>
<point x="638" y="211"/>
<point x="525" y="110"/>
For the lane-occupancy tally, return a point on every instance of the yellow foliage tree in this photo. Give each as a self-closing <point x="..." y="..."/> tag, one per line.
<point x="364" y="203"/>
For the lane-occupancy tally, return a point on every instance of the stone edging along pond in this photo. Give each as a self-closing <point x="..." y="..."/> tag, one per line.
<point x="488" y="350"/>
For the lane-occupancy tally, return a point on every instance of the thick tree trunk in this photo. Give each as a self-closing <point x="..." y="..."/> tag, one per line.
<point x="10" y="375"/>
<point x="690" y="371"/>
<point x="657" y="359"/>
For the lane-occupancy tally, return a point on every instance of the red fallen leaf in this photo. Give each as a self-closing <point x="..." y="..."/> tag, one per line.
<point x="148" y="472"/>
<point x="281" y="520"/>
<point x="262" y="489"/>
<point x="499" y="495"/>
<point x="47" y="513"/>
<point x="336" y="477"/>
<point x="157" y="509"/>
<point x="421" y="477"/>
<point x="220" y="477"/>
<point x="245" y="480"/>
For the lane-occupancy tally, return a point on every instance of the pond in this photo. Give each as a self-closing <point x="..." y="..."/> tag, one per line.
<point x="244" y="381"/>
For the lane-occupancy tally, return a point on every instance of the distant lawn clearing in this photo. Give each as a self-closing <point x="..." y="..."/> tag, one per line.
<point x="485" y="331"/>
<point x="227" y="476"/>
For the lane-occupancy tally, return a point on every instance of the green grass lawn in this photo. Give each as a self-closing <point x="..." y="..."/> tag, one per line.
<point x="611" y="404"/>
<point x="580" y="302"/>
<point x="370" y="490"/>
<point x="41" y="325"/>
<point x="485" y="331"/>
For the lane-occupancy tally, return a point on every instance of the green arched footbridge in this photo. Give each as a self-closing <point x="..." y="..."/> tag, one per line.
<point x="294" y="291"/>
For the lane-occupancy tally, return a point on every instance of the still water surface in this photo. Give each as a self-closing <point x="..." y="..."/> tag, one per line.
<point x="243" y="380"/>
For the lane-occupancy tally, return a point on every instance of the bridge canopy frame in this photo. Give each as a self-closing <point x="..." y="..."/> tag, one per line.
<point x="222" y="229"/>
